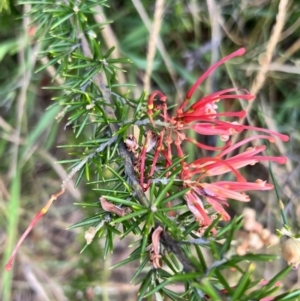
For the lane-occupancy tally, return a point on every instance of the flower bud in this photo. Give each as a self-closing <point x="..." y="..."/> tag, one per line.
<point x="291" y="252"/>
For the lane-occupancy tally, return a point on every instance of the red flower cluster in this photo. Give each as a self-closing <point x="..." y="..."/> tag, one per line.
<point x="203" y="118"/>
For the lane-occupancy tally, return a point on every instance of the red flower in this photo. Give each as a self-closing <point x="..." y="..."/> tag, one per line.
<point x="203" y="118"/>
<point x="216" y="194"/>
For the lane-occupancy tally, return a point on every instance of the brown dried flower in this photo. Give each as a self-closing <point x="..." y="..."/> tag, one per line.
<point x="109" y="207"/>
<point x="90" y="234"/>
<point x="155" y="249"/>
<point x="255" y="236"/>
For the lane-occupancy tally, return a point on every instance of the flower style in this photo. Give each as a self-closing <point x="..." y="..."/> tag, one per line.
<point x="203" y="118"/>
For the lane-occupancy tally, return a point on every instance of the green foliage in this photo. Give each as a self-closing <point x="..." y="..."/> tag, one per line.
<point x="91" y="100"/>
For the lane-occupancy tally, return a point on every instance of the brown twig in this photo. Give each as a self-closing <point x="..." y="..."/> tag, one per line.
<point x="174" y="247"/>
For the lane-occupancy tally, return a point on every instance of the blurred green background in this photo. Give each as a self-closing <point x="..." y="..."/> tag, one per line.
<point x="194" y="34"/>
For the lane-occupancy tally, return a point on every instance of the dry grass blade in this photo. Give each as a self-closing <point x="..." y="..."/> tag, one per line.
<point x="110" y="40"/>
<point x="35" y="284"/>
<point x="152" y="42"/>
<point x="289" y="52"/>
<point x="160" y="45"/>
<point x="267" y="56"/>
<point x="265" y="64"/>
<point x="215" y="38"/>
<point x="22" y="98"/>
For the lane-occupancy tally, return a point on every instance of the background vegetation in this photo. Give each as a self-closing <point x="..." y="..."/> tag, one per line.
<point x="194" y="35"/>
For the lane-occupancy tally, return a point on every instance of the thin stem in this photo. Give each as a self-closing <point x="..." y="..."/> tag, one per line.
<point x="280" y="203"/>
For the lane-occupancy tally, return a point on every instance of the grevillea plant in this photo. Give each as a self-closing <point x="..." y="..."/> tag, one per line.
<point x="171" y="204"/>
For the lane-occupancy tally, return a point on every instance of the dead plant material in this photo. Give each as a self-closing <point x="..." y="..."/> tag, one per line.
<point x="109" y="207"/>
<point x="155" y="249"/>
